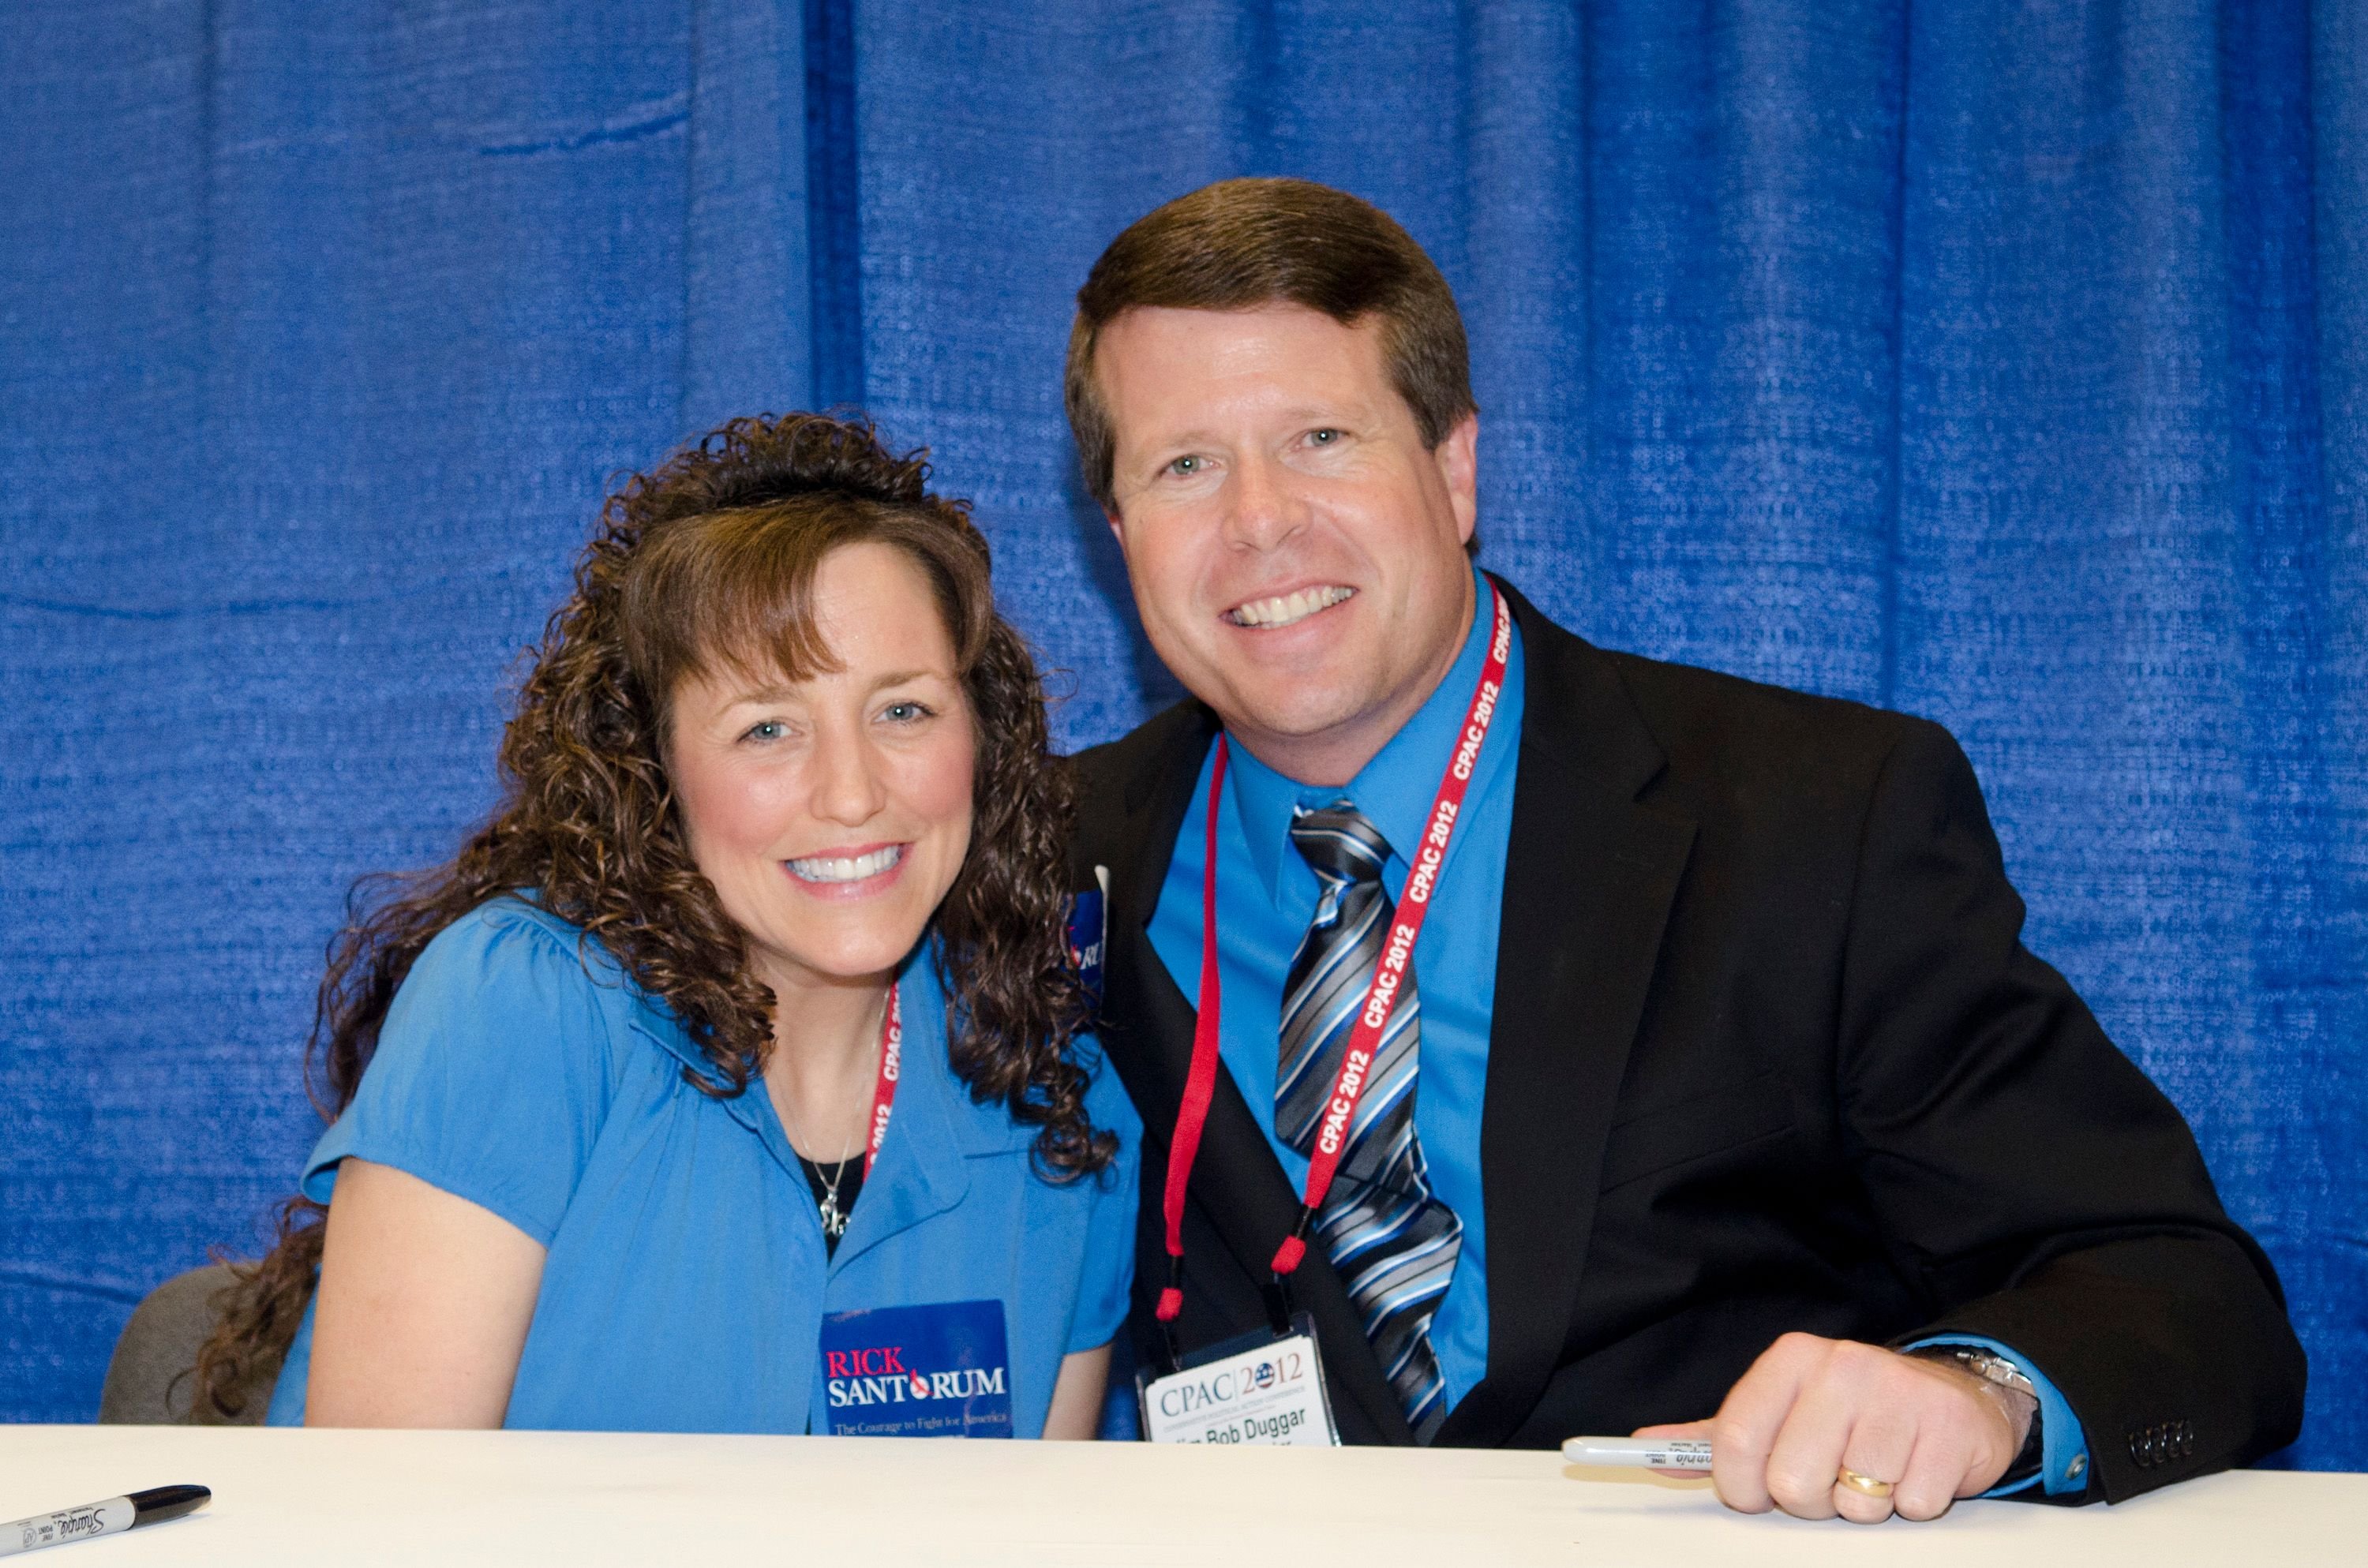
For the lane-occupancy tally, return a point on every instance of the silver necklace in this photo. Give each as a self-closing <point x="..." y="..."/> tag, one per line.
<point x="834" y="1218"/>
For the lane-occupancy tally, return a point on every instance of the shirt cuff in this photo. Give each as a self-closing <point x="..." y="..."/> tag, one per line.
<point x="2063" y="1446"/>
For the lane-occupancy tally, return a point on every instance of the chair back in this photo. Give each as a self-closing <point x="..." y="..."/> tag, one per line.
<point x="152" y="1378"/>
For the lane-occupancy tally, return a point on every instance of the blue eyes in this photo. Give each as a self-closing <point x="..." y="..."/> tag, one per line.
<point x="1187" y="466"/>
<point x="908" y="712"/>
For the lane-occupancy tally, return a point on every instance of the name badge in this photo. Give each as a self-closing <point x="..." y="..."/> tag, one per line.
<point x="933" y="1371"/>
<point x="1259" y="1386"/>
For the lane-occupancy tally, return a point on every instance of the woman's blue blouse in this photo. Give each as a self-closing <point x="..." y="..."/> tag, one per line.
<point x="685" y="1279"/>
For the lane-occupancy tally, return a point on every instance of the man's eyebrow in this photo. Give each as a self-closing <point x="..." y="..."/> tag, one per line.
<point x="1177" y="440"/>
<point x="1326" y="412"/>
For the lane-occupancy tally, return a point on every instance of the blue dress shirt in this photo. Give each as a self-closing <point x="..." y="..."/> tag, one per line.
<point x="1268" y="895"/>
<point x="685" y="1280"/>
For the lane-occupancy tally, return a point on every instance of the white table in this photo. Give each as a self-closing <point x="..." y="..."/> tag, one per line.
<point x="456" y="1499"/>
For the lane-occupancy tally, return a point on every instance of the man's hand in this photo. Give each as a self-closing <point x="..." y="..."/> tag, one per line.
<point x="1810" y="1407"/>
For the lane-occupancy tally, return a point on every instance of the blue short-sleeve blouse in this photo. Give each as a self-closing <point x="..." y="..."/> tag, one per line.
<point x="686" y="1280"/>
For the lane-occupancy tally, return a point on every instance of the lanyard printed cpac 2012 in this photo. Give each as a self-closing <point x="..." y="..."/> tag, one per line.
<point x="1389" y="977"/>
<point x="883" y="1093"/>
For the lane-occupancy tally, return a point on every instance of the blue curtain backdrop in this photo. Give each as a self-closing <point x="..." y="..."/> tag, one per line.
<point x="2001" y="360"/>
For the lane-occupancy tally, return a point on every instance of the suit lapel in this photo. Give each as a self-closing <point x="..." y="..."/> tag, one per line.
<point x="1588" y="889"/>
<point x="1236" y="1182"/>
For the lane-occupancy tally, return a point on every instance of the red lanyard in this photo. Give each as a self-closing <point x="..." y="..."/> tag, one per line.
<point x="883" y="1093"/>
<point x="1380" y="1000"/>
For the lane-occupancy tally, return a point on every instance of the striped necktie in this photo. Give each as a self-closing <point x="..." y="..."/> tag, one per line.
<point x="1393" y="1244"/>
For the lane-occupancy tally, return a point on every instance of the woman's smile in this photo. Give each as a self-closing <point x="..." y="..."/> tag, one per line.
<point x="847" y="873"/>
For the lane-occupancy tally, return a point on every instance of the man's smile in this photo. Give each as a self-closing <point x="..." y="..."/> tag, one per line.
<point x="1289" y="610"/>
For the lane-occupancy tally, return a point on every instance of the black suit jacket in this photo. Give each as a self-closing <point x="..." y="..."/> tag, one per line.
<point x="1767" y="1054"/>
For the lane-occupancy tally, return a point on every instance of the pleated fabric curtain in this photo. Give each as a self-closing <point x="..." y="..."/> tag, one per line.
<point x="2002" y="361"/>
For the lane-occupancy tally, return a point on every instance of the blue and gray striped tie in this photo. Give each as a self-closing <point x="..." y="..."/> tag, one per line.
<point x="1393" y="1244"/>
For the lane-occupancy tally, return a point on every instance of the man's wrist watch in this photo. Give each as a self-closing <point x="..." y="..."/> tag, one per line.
<point x="1993" y="1368"/>
<point x="1988" y="1365"/>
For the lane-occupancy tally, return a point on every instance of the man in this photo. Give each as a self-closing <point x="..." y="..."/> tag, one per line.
<point x="1719" y="1080"/>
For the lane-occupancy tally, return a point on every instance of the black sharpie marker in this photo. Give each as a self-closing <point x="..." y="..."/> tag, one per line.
<point x="115" y="1515"/>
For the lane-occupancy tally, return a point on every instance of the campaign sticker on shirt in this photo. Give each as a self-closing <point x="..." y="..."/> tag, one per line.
<point x="933" y="1371"/>
<point x="1090" y="934"/>
<point x="1257" y="1388"/>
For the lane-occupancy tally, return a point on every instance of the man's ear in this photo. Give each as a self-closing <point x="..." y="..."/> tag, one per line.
<point x="1118" y="530"/>
<point x="1458" y="456"/>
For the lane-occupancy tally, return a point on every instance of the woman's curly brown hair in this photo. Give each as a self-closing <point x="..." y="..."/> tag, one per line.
<point x="712" y="557"/>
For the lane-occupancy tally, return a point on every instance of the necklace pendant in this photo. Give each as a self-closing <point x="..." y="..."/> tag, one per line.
<point x="834" y="1223"/>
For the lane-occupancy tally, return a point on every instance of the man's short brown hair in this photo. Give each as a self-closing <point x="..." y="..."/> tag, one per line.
<point x="1241" y="244"/>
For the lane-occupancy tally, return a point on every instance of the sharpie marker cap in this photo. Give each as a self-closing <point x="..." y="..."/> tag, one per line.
<point x="160" y="1503"/>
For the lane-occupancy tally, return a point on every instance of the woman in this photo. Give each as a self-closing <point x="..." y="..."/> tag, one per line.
<point x="750" y="1008"/>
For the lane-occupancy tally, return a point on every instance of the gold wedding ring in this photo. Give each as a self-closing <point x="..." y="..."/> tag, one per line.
<point x="1866" y="1485"/>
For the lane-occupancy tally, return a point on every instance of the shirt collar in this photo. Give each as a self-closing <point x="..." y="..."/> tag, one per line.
<point x="1395" y="790"/>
